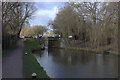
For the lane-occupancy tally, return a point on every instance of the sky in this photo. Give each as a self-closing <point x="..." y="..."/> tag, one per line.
<point x="46" y="11"/>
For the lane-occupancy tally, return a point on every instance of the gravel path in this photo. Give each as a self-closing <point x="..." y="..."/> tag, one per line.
<point x="12" y="62"/>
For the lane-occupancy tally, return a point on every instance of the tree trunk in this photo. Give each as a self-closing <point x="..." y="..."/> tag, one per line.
<point x="20" y="29"/>
<point x="21" y="26"/>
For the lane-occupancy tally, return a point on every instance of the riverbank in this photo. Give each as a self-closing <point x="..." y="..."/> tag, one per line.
<point x="92" y="50"/>
<point x="78" y="45"/>
<point x="30" y="64"/>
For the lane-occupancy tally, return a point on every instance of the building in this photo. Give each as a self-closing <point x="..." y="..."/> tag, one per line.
<point x="49" y="34"/>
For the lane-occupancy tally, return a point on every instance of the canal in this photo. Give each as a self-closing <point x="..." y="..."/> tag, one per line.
<point x="63" y="63"/>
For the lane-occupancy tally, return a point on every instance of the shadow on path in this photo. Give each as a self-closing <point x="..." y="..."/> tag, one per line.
<point x="12" y="62"/>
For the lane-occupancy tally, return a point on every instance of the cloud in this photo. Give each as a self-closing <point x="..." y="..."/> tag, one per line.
<point x="44" y="14"/>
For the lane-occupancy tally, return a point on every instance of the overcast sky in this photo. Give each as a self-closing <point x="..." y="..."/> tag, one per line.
<point x="45" y="11"/>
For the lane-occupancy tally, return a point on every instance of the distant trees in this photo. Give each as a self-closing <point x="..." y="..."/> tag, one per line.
<point x="38" y="29"/>
<point x="92" y="22"/>
<point x="33" y="31"/>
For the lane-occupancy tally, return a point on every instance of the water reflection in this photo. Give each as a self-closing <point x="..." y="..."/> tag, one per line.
<point x="63" y="63"/>
<point x="70" y="57"/>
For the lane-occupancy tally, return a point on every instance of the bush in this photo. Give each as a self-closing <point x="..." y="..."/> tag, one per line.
<point x="8" y="41"/>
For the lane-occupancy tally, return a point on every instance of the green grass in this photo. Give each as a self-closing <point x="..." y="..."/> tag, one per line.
<point x="30" y="64"/>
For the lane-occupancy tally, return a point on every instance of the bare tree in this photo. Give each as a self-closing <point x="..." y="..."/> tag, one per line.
<point x="16" y="14"/>
<point x="95" y="23"/>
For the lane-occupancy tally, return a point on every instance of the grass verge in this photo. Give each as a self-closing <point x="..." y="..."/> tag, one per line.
<point x="30" y="64"/>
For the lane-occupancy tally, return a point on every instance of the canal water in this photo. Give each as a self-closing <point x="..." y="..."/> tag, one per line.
<point x="63" y="63"/>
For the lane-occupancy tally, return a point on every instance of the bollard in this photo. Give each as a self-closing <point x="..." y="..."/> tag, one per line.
<point x="25" y="53"/>
<point x="34" y="75"/>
